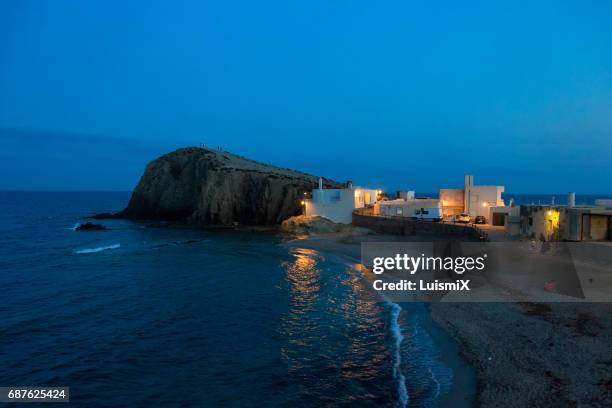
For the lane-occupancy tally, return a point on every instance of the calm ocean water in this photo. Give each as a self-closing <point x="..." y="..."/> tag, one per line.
<point x="136" y="316"/>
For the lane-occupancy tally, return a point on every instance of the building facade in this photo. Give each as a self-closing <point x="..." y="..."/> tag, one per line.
<point x="471" y="199"/>
<point x="337" y="204"/>
<point x="426" y="208"/>
<point x="566" y="223"/>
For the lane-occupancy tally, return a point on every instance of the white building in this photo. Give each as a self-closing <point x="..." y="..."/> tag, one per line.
<point x="471" y="199"/>
<point x="427" y="208"/>
<point x="406" y="195"/>
<point x="567" y="222"/>
<point x="337" y="204"/>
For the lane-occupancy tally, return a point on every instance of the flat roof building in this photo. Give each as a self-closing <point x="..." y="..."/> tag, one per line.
<point x="337" y="204"/>
<point x="566" y="223"/>
<point x="471" y="199"/>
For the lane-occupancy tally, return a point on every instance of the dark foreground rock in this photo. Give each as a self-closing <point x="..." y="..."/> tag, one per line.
<point x="202" y="187"/>
<point x="90" y="226"/>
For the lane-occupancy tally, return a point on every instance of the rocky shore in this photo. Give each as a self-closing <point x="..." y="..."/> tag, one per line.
<point x="534" y="354"/>
<point x="315" y="225"/>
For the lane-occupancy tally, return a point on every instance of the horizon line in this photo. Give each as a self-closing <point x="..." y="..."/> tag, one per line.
<point x="393" y="191"/>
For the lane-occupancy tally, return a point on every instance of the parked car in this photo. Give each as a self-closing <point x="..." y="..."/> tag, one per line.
<point x="480" y="219"/>
<point x="463" y="218"/>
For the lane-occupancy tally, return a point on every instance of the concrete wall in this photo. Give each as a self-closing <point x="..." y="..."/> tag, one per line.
<point x="574" y="225"/>
<point x="364" y="196"/>
<point x="552" y="223"/>
<point x="404" y="208"/>
<point x="482" y="198"/>
<point x="452" y="201"/>
<point x="406" y="226"/>
<point x="406" y="195"/>
<point x="597" y="228"/>
<point x="340" y="212"/>
<point x="329" y="195"/>
<point x="511" y="218"/>
<point x="547" y="223"/>
<point x="472" y="199"/>
<point x="334" y="204"/>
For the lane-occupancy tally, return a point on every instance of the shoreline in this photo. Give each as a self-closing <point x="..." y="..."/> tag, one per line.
<point x="523" y="354"/>
<point x="464" y="389"/>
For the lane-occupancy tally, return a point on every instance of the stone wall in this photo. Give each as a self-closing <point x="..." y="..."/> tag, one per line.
<point x="407" y="226"/>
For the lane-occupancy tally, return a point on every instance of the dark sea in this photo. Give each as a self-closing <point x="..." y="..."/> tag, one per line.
<point x="152" y="317"/>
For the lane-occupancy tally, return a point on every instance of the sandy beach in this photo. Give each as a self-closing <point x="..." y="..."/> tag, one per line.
<point x="525" y="354"/>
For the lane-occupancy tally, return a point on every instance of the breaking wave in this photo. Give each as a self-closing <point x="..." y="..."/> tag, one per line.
<point x="396" y="333"/>
<point x="99" y="249"/>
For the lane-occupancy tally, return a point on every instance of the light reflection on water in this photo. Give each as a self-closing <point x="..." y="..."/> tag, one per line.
<point x="303" y="275"/>
<point x="221" y="319"/>
<point x="340" y="338"/>
<point x="336" y="341"/>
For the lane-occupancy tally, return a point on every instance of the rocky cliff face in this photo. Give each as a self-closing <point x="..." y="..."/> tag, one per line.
<point x="205" y="187"/>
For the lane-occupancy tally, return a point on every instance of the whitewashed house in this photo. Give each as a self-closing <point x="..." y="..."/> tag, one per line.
<point x="337" y="204"/>
<point x="471" y="199"/>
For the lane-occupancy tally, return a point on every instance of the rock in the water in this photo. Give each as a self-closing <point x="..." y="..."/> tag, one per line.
<point x="90" y="226"/>
<point x="205" y="187"/>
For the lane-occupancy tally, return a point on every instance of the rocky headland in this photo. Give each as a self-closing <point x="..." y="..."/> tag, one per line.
<point x="203" y="187"/>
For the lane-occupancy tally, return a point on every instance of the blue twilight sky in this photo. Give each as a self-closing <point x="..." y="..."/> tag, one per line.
<point x="397" y="94"/>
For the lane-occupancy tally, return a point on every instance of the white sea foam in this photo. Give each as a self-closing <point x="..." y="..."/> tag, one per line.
<point x="435" y="380"/>
<point x="77" y="225"/>
<point x="99" y="249"/>
<point x="396" y="333"/>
